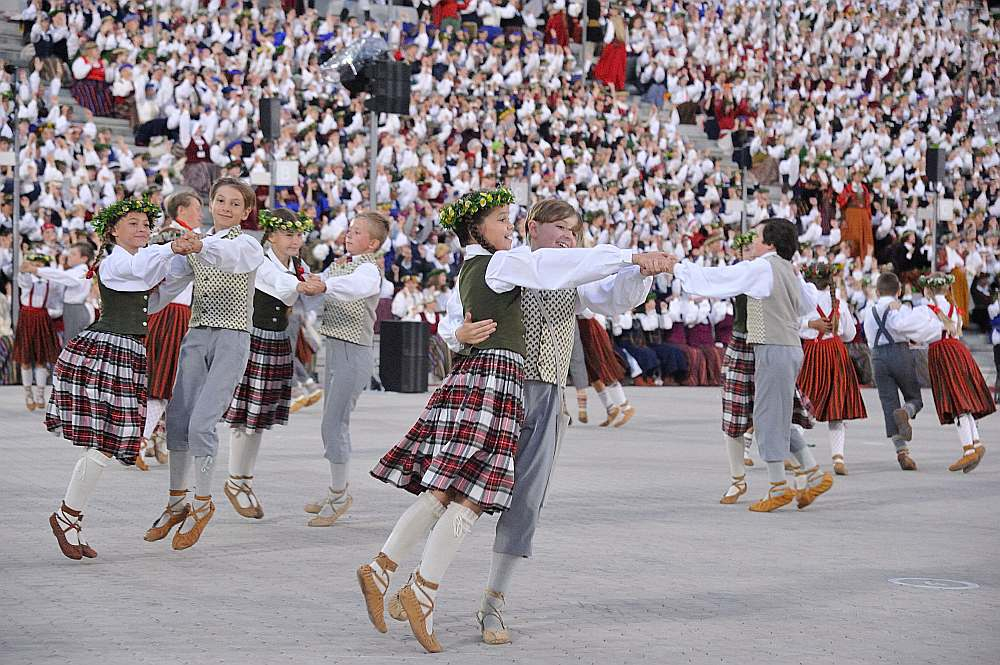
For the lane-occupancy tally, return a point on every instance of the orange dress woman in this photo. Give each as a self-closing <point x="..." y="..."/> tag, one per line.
<point x="855" y="202"/>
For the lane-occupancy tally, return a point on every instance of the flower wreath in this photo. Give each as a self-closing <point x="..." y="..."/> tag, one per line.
<point x="822" y="270"/>
<point x="271" y="222"/>
<point x="109" y="216"/>
<point x="935" y="281"/>
<point x="38" y="257"/>
<point x="744" y="240"/>
<point x="465" y="208"/>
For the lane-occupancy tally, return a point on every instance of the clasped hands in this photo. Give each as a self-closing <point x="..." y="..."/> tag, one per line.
<point x="654" y="263"/>
<point x="189" y="243"/>
<point x="313" y="285"/>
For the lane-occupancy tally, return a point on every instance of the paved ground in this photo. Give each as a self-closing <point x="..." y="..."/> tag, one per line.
<point x="636" y="561"/>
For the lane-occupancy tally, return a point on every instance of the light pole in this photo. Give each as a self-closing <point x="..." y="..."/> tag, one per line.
<point x="15" y="250"/>
<point x="373" y="157"/>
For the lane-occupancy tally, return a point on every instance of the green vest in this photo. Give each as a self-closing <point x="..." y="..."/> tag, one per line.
<point x="269" y="313"/>
<point x="485" y="303"/>
<point x="122" y="312"/>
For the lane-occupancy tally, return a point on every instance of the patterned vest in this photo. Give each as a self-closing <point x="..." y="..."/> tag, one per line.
<point x="221" y="299"/>
<point x="775" y="319"/>
<point x="351" y="321"/>
<point x="548" y="334"/>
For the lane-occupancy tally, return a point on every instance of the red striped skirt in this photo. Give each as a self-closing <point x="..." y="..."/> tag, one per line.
<point x="35" y="342"/>
<point x="598" y="354"/>
<point x="303" y="351"/>
<point x="94" y="96"/>
<point x="830" y="382"/>
<point x="466" y="437"/>
<point x="262" y="398"/>
<point x="956" y="382"/>
<point x="163" y="347"/>
<point x="99" y="394"/>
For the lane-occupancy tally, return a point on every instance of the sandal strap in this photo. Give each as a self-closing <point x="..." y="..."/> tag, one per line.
<point x="419" y="579"/>
<point x="385" y="562"/>
<point x="70" y="526"/>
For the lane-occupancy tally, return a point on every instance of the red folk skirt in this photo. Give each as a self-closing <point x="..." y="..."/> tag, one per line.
<point x="610" y="68"/>
<point x="956" y="382"/>
<point x="35" y="342"/>
<point x="828" y="379"/>
<point x="163" y="347"/>
<point x="598" y="354"/>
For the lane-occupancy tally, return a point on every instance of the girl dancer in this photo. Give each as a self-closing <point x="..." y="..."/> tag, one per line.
<point x="604" y="371"/>
<point x="960" y="392"/>
<point x="262" y="397"/>
<point x="827" y="376"/>
<point x="99" y="383"/>
<point x="76" y="287"/>
<point x="36" y="345"/>
<point x="459" y="456"/>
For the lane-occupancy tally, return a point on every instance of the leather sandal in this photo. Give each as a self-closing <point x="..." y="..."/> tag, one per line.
<point x="338" y="509"/>
<point x="373" y="587"/>
<point x="612" y="416"/>
<point x="500" y="636"/>
<point x="779" y="495"/>
<point x="254" y="510"/>
<point x="811" y="487"/>
<point x="980" y="454"/>
<point x="969" y="458"/>
<point x="906" y="462"/>
<point x="839" y="467"/>
<point x="740" y="484"/>
<point x="62" y="522"/>
<point x="627" y="412"/>
<point x="201" y="516"/>
<point x="903" y="426"/>
<point x="168" y="519"/>
<point x="140" y="463"/>
<point x="417" y="612"/>
<point x="395" y="607"/>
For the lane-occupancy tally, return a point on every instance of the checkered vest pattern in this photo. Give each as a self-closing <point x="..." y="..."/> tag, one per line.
<point x="221" y="299"/>
<point x="775" y="319"/>
<point x="351" y="321"/>
<point x="544" y="361"/>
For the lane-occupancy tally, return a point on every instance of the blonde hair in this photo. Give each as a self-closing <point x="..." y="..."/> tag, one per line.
<point x="378" y="224"/>
<point x="249" y="196"/>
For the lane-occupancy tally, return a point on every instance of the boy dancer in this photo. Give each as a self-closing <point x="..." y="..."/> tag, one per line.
<point x="777" y="297"/>
<point x="549" y="332"/>
<point x="76" y="287"/>
<point x="213" y="358"/>
<point x="888" y="327"/>
<point x="348" y="324"/>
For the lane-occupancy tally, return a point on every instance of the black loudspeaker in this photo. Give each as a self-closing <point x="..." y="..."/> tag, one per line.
<point x="390" y="87"/>
<point x="404" y="357"/>
<point x="935" y="165"/>
<point x="741" y="148"/>
<point x="270" y="117"/>
<point x="712" y="129"/>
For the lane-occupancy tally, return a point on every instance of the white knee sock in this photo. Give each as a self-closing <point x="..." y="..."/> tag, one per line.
<point x="154" y="411"/>
<point x="965" y="424"/>
<point x="975" y="431"/>
<point x="605" y="399"/>
<point x="338" y="478"/>
<point x="617" y="394"/>
<point x="27" y="376"/>
<point x="411" y="527"/>
<point x="735" y="450"/>
<point x="838" y="435"/>
<point x="776" y="472"/>
<point x="501" y="572"/>
<point x="442" y="546"/>
<point x="41" y="376"/>
<point x="243" y="450"/>
<point x="253" y="440"/>
<point x="180" y="469"/>
<point x="203" y="468"/>
<point x="83" y="482"/>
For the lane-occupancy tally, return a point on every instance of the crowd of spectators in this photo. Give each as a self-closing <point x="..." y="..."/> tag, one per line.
<point x="839" y="102"/>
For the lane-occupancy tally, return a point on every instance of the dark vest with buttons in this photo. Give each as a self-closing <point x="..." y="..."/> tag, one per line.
<point x="122" y="312"/>
<point x="485" y="303"/>
<point x="269" y="313"/>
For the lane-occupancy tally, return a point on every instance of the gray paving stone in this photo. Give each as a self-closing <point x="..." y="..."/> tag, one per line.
<point x="636" y="562"/>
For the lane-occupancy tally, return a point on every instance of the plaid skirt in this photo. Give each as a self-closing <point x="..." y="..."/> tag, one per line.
<point x="466" y="437"/>
<point x="163" y="348"/>
<point x="262" y="398"/>
<point x="99" y="394"/>
<point x="828" y="378"/>
<point x="738" y="389"/>
<point x="957" y="383"/>
<point x="35" y="341"/>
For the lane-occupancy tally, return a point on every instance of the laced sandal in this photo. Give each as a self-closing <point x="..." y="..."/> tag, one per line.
<point x="980" y="454"/>
<point x="64" y="522"/>
<point x="791" y="466"/>
<point x="395" y="606"/>
<point x="314" y="397"/>
<point x="839" y="467"/>
<point x="171" y="516"/>
<point x="234" y="488"/>
<point x="581" y="415"/>
<point x="747" y="461"/>
<point x="779" y="495"/>
<point x="417" y="612"/>
<point x="627" y="412"/>
<point x="814" y="484"/>
<point x="969" y="458"/>
<point x="373" y="587"/>
<point x="612" y="416"/>
<point x="903" y="426"/>
<point x="201" y="516"/>
<point x="29" y="402"/>
<point x="159" y="439"/>
<point x="140" y="463"/>
<point x="740" y="486"/>
<point x="906" y="462"/>
<point x="493" y="637"/>
<point x="86" y="550"/>
<point x="339" y="509"/>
